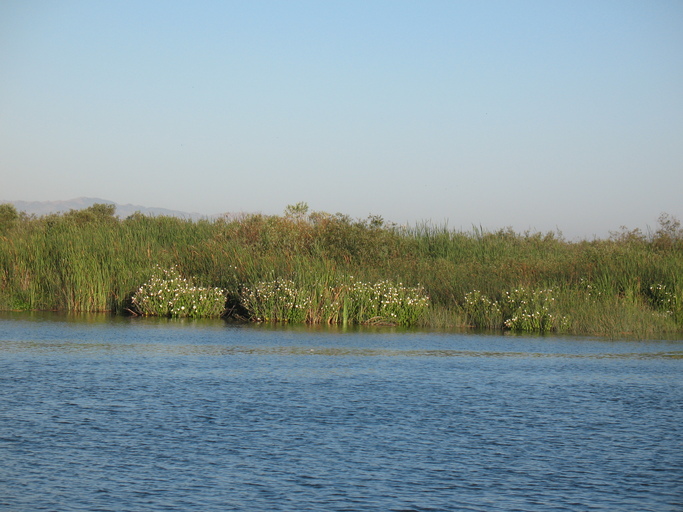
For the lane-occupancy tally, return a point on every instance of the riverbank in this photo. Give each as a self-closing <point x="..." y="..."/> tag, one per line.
<point x="89" y="260"/>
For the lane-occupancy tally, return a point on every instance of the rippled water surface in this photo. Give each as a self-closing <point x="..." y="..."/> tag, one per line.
<point x="119" y="414"/>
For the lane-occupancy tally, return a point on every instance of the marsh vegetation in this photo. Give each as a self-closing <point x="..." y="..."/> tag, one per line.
<point x="329" y="268"/>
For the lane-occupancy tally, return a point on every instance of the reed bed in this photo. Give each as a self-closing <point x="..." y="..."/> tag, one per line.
<point x="89" y="260"/>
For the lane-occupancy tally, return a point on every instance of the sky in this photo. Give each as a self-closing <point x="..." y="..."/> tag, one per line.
<point x="534" y="115"/>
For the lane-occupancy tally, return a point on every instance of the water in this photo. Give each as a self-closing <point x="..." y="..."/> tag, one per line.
<point x="117" y="414"/>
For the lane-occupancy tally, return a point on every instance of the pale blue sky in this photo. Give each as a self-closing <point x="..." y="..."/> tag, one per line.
<point x="530" y="114"/>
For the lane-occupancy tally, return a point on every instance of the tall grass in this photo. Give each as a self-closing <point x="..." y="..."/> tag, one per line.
<point x="89" y="260"/>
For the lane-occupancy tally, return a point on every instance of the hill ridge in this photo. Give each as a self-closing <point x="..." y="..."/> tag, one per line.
<point x="79" y="203"/>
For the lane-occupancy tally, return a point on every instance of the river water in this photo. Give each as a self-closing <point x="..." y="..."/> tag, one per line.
<point x="101" y="413"/>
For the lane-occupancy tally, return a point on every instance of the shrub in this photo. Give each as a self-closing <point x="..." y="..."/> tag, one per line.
<point x="167" y="293"/>
<point x="481" y="311"/>
<point x="384" y="302"/>
<point x="666" y="302"/>
<point x="8" y="216"/>
<point x="351" y="301"/>
<point x="275" y="301"/>
<point x="533" y="310"/>
<point x="519" y="310"/>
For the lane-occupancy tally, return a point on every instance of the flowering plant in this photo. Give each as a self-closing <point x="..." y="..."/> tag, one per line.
<point x="533" y="310"/>
<point x="167" y="293"/>
<point x="282" y="300"/>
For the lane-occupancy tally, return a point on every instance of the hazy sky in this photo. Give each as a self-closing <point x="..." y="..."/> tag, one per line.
<point x="531" y="114"/>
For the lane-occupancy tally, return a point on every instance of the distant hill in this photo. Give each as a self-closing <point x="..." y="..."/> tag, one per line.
<point x="122" y="210"/>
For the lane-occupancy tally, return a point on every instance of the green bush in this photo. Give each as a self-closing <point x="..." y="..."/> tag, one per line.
<point x="167" y="293"/>
<point x="521" y="309"/>
<point x="533" y="310"/>
<point x="275" y="301"/>
<point x="667" y="302"/>
<point x="481" y="311"/>
<point x="348" y="301"/>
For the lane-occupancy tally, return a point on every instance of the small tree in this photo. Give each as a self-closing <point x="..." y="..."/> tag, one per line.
<point x="670" y="232"/>
<point x="297" y="211"/>
<point x="669" y="226"/>
<point x="8" y="216"/>
<point x="98" y="212"/>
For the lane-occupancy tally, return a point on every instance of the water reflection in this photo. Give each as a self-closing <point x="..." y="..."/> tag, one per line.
<point x="93" y="333"/>
<point x="228" y="350"/>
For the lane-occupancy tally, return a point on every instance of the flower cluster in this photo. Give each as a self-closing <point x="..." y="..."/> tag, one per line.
<point x="384" y="302"/>
<point x="275" y="301"/>
<point x="666" y="301"/>
<point x="518" y="310"/>
<point x="167" y="293"/>
<point x="482" y="311"/>
<point x="532" y="310"/>
<point x="281" y="300"/>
